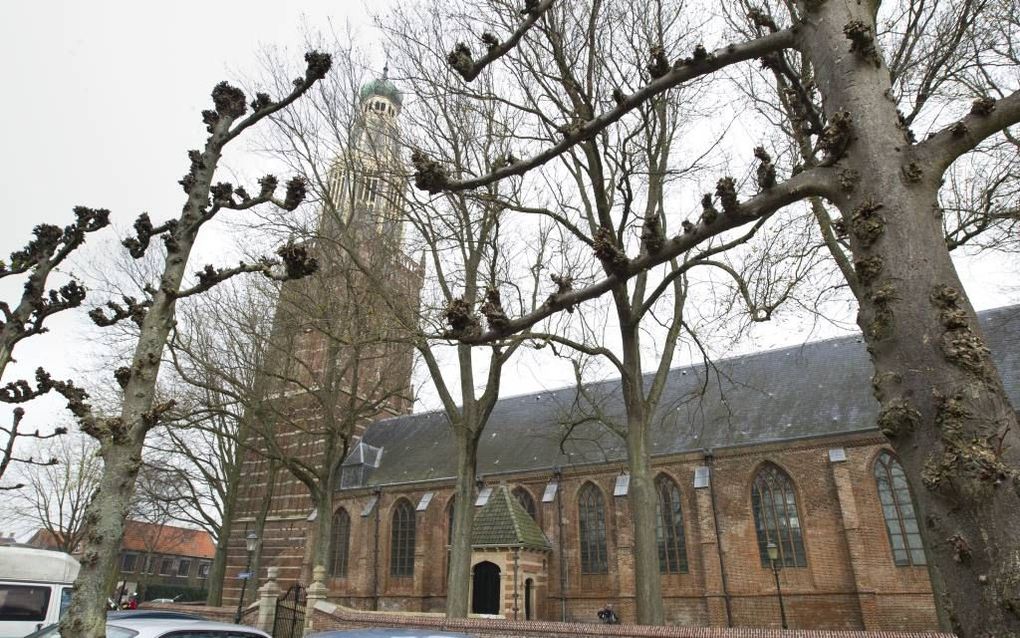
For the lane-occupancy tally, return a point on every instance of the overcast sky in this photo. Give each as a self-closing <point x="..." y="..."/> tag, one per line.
<point x="102" y="99"/>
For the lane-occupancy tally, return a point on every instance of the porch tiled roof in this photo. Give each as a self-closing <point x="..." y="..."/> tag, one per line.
<point x="502" y="522"/>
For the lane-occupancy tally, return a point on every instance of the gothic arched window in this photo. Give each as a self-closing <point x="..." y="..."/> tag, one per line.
<point x="340" y="546"/>
<point x="592" y="527"/>
<point x="524" y="498"/>
<point x="775" y="517"/>
<point x="898" y="509"/>
<point x="669" y="528"/>
<point x="402" y="540"/>
<point x="449" y="516"/>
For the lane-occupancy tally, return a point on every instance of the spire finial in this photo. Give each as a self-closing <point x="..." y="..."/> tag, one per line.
<point x="386" y="69"/>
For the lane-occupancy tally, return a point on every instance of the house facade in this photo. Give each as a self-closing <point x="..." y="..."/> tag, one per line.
<point x="166" y="556"/>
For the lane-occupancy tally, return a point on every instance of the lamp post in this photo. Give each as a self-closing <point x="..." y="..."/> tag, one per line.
<point x="251" y="541"/>
<point x="773" y="551"/>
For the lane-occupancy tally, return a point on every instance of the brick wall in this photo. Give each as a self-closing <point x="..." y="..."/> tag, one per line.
<point x="849" y="582"/>
<point x="326" y="616"/>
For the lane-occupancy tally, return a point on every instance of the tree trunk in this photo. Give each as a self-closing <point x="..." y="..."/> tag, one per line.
<point x="105" y="520"/>
<point x="260" y="520"/>
<point x="643" y="510"/>
<point x="459" y="576"/>
<point x="943" y="405"/>
<point x="648" y="584"/>
<point x="218" y="569"/>
<point x="323" y="528"/>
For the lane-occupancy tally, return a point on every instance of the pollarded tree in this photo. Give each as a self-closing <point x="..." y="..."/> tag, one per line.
<point x="122" y="437"/>
<point x="37" y="261"/>
<point x="943" y="404"/>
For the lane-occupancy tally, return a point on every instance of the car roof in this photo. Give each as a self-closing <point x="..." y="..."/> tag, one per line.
<point x="383" y="632"/>
<point x="155" y="626"/>
<point x="152" y="613"/>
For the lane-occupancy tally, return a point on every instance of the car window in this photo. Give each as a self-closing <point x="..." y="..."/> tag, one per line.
<point x="65" y="600"/>
<point x="24" y="602"/>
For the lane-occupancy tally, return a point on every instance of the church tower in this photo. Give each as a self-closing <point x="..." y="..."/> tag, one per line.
<point x="339" y="356"/>
<point x="367" y="183"/>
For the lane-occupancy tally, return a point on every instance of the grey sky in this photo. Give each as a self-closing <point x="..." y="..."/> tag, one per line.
<point x="102" y="99"/>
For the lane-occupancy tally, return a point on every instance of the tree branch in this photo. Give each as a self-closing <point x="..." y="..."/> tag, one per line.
<point x="816" y="181"/>
<point x="460" y="57"/>
<point x="986" y="118"/>
<point x="432" y="177"/>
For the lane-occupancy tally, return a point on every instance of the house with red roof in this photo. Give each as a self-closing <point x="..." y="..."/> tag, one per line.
<point x="153" y="555"/>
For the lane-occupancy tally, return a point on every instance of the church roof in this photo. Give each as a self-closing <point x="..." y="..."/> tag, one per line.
<point x="814" y="389"/>
<point x="502" y="522"/>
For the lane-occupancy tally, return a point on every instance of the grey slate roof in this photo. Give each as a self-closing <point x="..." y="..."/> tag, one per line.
<point x="502" y="522"/>
<point x="815" y="389"/>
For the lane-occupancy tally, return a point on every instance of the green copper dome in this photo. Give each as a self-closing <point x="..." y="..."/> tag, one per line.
<point x="383" y="87"/>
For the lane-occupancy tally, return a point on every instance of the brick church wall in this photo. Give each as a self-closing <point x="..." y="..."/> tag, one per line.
<point x="840" y="516"/>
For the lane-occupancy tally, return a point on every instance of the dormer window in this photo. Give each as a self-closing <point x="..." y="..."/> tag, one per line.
<point x="356" y="467"/>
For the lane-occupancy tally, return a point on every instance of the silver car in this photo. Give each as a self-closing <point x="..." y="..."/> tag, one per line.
<point x="165" y="628"/>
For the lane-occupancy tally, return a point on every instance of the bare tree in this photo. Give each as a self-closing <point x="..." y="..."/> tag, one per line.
<point x="54" y="497"/>
<point x="121" y="438"/>
<point x="156" y="505"/>
<point x="626" y="175"/>
<point x="339" y="144"/>
<point x="37" y="261"/>
<point x="942" y="401"/>
<point x="217" y="351"/>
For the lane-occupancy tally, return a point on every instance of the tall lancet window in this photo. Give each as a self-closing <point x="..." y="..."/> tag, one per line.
<point x="669" y="530"/>
<point x="776" y="518"/>
<point x="898" y="509"/>
<point x="338" y="550"/>
<point x="402" y="540"/>
<point x="592" y="527"/>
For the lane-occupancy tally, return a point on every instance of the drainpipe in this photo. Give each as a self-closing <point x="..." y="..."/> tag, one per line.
<point x="558" y="475"/>
<point x="709" y="457"/>
<point x="375" y="554"/>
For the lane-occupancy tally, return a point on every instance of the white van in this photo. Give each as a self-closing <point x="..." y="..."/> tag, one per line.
<point x="35" y="588"/>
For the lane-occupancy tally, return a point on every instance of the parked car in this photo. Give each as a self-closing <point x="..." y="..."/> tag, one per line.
<point x="384" y="632"/>
<point x="161" y="627"/>
<point x="165" y="614"/>
<point x="35" y="588"/>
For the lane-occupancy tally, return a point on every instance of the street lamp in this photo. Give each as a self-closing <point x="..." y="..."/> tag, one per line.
<point x="251" y="541"/>
<point x="773" y="551"/>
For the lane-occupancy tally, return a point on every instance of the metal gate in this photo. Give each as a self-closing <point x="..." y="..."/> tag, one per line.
<point x="290" y="613"/>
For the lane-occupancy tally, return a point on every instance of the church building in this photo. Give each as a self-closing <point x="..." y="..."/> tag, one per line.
<point x="771" y="473"/>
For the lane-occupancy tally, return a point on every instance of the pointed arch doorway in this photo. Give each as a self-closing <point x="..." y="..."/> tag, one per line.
<point x="485" y="595"/>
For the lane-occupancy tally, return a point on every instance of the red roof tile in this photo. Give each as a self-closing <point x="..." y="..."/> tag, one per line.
<point x="149" y="537"/>
<point x="167" y="539"/>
